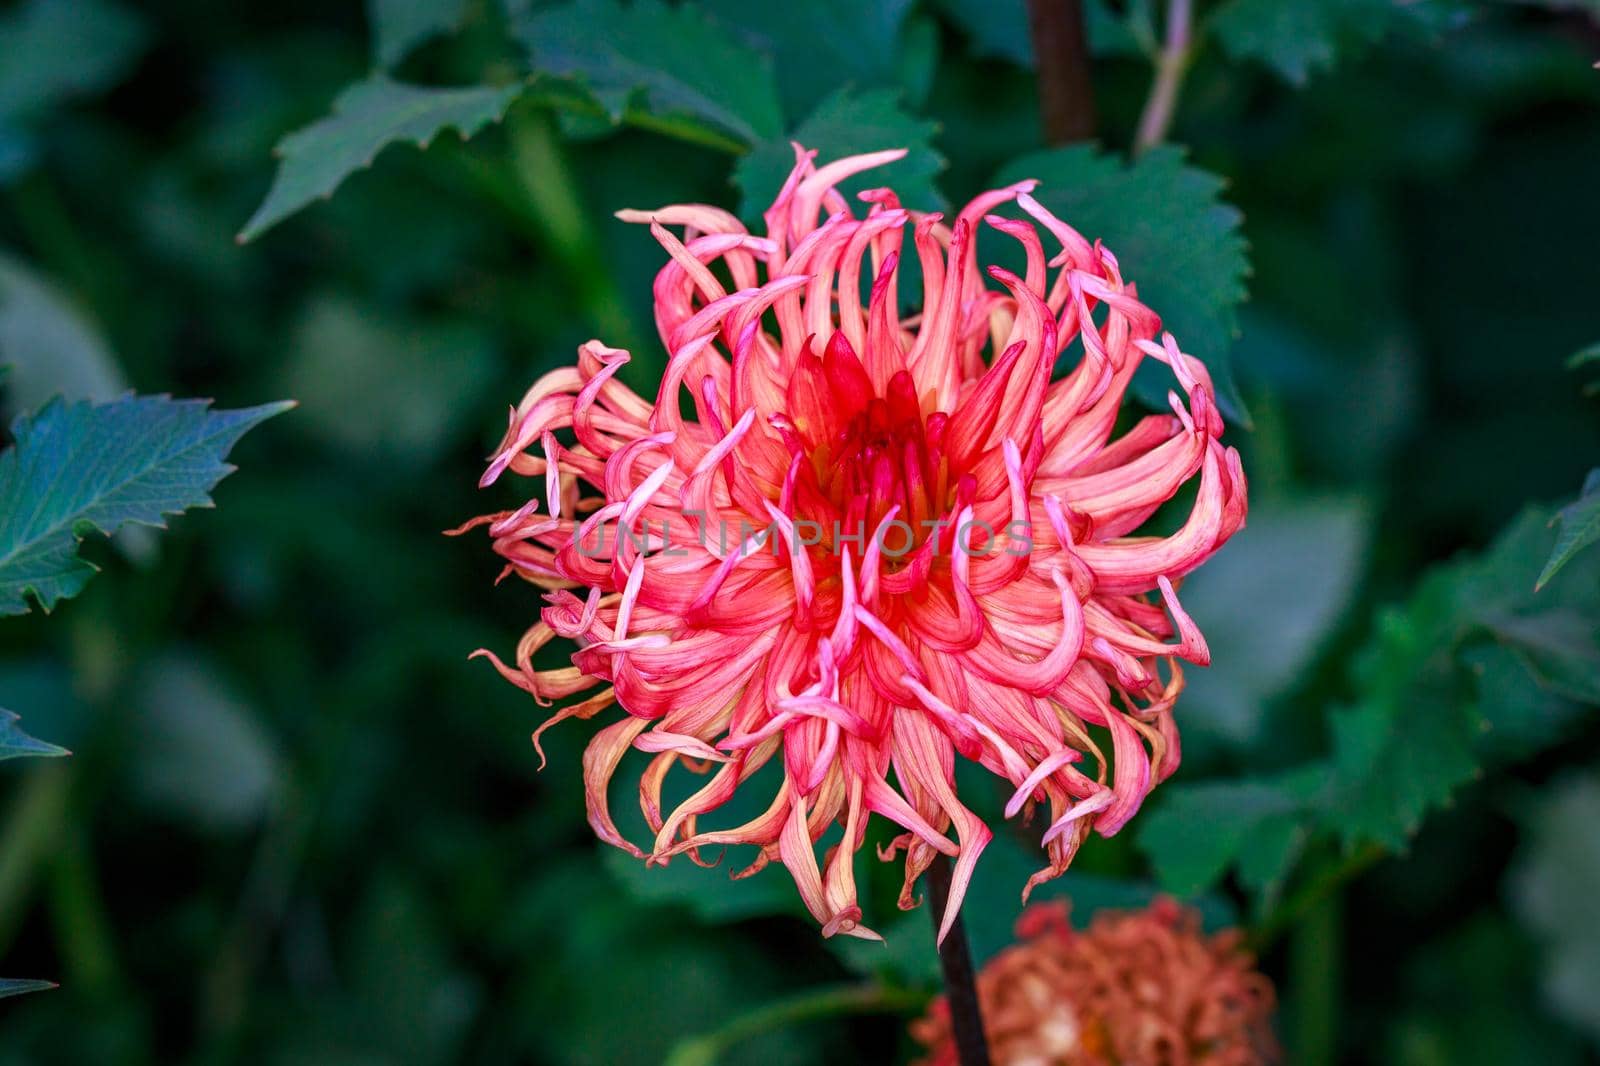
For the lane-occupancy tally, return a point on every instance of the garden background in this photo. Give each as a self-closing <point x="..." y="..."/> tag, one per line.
<point x="299" y="826"/>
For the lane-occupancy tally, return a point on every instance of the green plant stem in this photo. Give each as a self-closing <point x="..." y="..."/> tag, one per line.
<point x="558" y="216"/>
<point x="1326" y="882"/>
<point x="48" y="225"/>
<point x="226" y="988"/>
<point x="1314" y="978"/>
<point x="830" y="1001"/>
<point x="1172" y="63"/>
<point x="82" y="929"/>
<point x="32" y="824"/>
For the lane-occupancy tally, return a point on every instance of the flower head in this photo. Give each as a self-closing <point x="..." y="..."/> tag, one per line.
<point x="857" y="545"/>
<point x="1145" y="987"/>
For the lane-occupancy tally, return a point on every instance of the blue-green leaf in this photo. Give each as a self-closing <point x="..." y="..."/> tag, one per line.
<point x="399" y="26"/>
<point x="1298" y="37"/>
<point x="821" y="45"/>
<point x="14" y="743"/>
<point x="10" y="986"/>
<point x="845" y="124"/>
<point x="84" y="467"/>
<point x="1198" y="831"/>
<point x="1580" y="527"/>
<point x="367" y="118"/>
<point x="671" y="61"/>
<point x="55" y="49"/>
<point x="1421" y="681"/>
<point x="1172" y="234"/>
<point x="710" y="895"/>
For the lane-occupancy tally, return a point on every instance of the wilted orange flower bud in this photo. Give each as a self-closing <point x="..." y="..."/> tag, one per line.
<point x="1137" y="988"/>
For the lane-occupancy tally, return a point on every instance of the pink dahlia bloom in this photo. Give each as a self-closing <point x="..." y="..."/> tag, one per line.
<point x="863" y="544"/>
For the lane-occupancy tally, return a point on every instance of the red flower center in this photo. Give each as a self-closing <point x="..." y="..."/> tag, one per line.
<point x="862" y="459"/>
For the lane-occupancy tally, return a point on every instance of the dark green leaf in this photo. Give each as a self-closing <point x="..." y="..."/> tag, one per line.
<point x="821" y="45"/>
<point x="1437" y="699"/>
<point x="398" y="26"/>
<point x="368" y="117"/>
<point x="1580" y="526"/>
<point x="710" y="895"/>
<point x="56" y="49"/>
<point x="81" y="467"/>
<point x="14" y="743"/>
<point x="847" y="123"/>
<point x="1560" y="647"/>
<point x="1523" y="718"/>
<point x="1197" y="832"/>
<point x="1172" y="234"/>
<point x="10" y="986"/>
<point x="1395" y="758"/>
<point x="671" y="61"/>
<point x="1298" y="37"/>
<point x="1420" y="691"/>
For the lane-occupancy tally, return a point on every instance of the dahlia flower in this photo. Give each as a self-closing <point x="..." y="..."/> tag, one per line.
<point x="862" y="544"/>
<point x="1137" y="988"/>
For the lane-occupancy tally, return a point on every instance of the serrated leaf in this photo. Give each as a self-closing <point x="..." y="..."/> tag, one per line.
<point x="1522" y="718"/>
<point x="367" y="118"/>
<point x="80" y="467"/>
<point x="1390" y="769"/>
<point x="820" y="45"/>
<point x="1198" y="832"/>
<point x="672" y="61"/>
<point x="1580" y="524"/>
<point x="1172" y="234"/>
<point x="1299" y="37"/>
<point x="1560" y="648"/>
<point x="1420" y="729"/>
<point x="399" y="26"/>
<point x="55" y="49"/>
<point x="11" y="986"/>
<point x="14" y="743"/>
<point x="1413" y="735"/>
<point x="848" y="123"/>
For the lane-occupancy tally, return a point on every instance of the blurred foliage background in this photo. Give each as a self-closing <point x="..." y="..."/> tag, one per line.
<point x="299" y="827"/>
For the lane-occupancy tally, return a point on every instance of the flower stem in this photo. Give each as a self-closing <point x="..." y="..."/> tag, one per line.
<point x="1314" y="976"/>
<point x="955" y="962"/>
<point x="1171" y="65"/>
<point x="828" y="1002"/>
<point x="1325" y="882"/>
<point x="1061" y="52"/>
